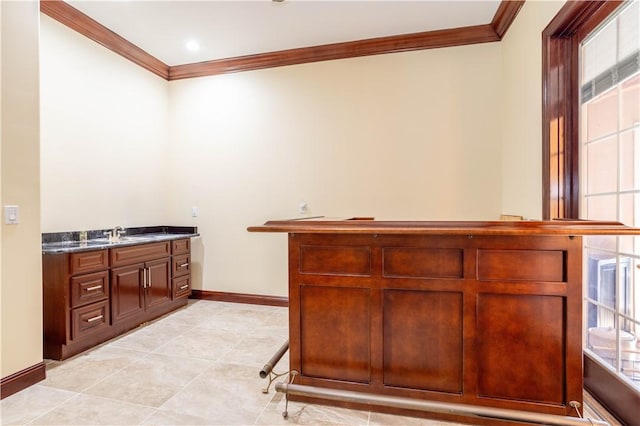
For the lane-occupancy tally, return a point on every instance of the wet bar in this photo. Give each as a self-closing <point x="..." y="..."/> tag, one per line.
<point x="486" y="314"/>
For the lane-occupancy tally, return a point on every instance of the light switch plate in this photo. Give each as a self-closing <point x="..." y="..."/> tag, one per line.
<point x="11" y="215"/>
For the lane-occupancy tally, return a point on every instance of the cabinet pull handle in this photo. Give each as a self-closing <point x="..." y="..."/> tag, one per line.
<point x="99" y="317"/>
<point x="184" y="265"/>
<point x="144" y="277"/>
<point x="95" y="287"/>
<point x="183" y="287"/>
<point x="149" y="276"/>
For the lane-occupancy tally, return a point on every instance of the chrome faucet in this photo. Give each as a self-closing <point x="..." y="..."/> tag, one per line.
<point x="115" y="233"/>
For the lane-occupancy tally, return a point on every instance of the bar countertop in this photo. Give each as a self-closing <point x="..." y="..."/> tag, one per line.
<point x="516" y="228"/>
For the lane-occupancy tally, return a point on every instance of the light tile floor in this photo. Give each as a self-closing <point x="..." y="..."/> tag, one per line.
<point x="196" y="366"/>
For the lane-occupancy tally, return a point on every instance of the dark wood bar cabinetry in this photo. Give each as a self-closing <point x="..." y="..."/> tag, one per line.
<point x="140" y="279"/>
<point x="92" y="296"/>
<point x="477" y="313"/>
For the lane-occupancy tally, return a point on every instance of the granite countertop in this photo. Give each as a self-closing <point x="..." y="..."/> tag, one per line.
<point x="70" y="242"/>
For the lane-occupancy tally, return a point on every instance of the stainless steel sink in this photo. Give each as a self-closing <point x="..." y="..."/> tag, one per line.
<point x="123" y="239"/>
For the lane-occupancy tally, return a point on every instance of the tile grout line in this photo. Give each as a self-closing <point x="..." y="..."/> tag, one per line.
<point x="77" y="395"/>
<point x="143" y="355"/>
<point x="213" y="362"/>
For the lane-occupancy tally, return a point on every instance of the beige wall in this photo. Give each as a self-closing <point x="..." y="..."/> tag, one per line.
<point x="21" y="284"/>
<point x="104" y="136"/>
<point x="439" y="134"/>
<point x="522" y="106"/>
<point x="400" y="136"/>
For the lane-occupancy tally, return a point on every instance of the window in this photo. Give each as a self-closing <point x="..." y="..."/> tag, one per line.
<point x="613" y="283"/>
<point x="610" y="187"/>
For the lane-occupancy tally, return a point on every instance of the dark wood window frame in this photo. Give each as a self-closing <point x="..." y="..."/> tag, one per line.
<point x="561" y="157"/>
<point x="560" y="104"/>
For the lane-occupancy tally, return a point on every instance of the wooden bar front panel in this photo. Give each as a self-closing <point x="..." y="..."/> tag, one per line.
<point x="524" y="336"/>
<point x="521" y="265"/>
<point x="335" y="260"/>
<point x="432" y="322"/>
<point x="335" y="333"/>
<point x="416" y="262"/>
<point x="489" y="320"/>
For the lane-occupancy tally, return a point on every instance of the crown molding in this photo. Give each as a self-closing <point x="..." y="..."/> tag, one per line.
<point x="374" y="46"/>
<point x="505" y="15"/>
<point x="78" y="21"/>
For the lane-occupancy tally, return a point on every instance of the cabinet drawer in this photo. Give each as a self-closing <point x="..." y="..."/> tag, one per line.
<point x="139" y="253"/>
<point x="181" y="286"/>
<point x="88" y="261"/>
<point x="181" y="265"/>
<point x="89" y="319"/>
<point x="181" y="246"/>
<point x="89" y="288"/>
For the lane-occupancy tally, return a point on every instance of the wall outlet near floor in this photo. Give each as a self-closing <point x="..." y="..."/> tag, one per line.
<point x="11" y="215"/>
<point x="194" y="211"/>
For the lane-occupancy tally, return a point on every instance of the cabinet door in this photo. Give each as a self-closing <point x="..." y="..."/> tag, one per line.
<point x="127" y="292"/>
<point x="158" y="289"/>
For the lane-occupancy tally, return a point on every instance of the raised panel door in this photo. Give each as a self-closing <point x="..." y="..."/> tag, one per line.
<point x="127" y="292"/>
<point x="158" y="288"/>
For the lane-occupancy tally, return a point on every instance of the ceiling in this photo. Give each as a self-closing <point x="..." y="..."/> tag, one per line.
<point x="228" y="29"/>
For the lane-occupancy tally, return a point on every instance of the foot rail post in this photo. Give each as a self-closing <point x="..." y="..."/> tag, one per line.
<point x="267" y="370"/>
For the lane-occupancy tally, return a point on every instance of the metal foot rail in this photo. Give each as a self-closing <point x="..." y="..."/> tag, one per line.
<point x="435" y="407"/>
<point x="267" y="370"/>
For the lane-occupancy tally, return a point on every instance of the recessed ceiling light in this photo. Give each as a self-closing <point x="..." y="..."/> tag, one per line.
<point x="192" y="46"/>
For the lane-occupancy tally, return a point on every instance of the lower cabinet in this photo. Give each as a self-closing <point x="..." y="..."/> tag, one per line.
<point x="139" y="287"/>
<point x="90" y="297"/>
